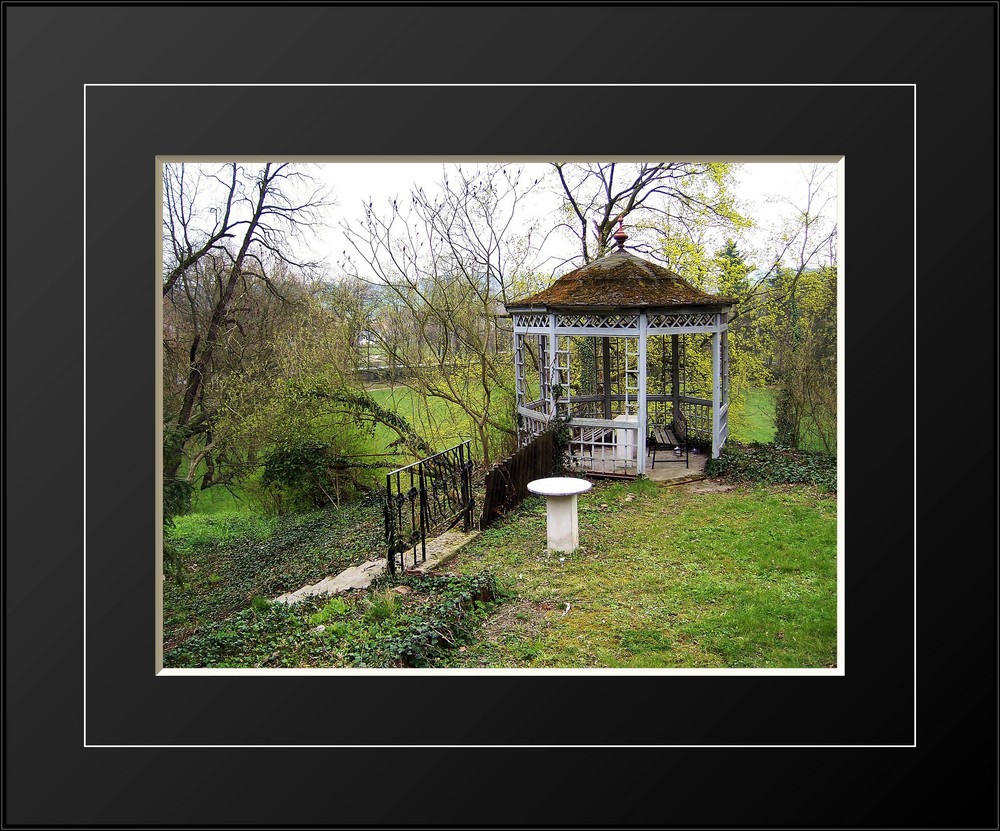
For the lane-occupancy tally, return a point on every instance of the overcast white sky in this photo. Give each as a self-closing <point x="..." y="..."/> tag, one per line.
<point x="761" y="188"/>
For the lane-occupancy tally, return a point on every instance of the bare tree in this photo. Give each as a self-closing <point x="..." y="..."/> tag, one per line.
<point x="187" y="237"/>
<point x="447" y="261"/>
<point x="213" y="264"/>
<point x="656" y="194"/>
<point x="800" y="291"/>
<point x="807" y="238"/>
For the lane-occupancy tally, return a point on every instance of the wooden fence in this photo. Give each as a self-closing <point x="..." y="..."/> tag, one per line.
<point x="506" y="482"/>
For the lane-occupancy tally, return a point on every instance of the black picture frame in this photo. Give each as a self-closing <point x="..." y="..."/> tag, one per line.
<point x="836" y="79"/>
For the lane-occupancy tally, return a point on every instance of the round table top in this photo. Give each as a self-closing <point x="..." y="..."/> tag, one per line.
<point x="559" y="486"/>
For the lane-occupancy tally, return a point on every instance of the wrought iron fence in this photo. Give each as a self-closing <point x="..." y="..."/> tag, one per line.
<point x="425" y="498"/>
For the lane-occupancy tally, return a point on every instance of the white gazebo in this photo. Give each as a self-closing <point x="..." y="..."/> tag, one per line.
<point x="615" y="347"/>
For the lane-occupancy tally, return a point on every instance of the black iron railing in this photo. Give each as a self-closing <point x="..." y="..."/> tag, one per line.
<point x="425" y="498"/>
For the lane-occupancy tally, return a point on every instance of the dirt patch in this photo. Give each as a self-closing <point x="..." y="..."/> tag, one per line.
<point x="523" y="618"/>
<point x="707" y="486"/>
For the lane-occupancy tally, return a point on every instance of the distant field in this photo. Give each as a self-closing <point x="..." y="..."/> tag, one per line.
<point x="440" y="422"/>
<point x="760" y="411"/>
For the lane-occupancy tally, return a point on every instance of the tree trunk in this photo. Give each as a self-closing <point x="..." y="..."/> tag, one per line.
<point x="200" y="364"/>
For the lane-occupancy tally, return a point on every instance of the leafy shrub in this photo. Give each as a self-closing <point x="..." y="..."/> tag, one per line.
<point x="561" y="464"/>
<point x="176" y="501"/>
<point x="305" y="472"/>
<point x="462" y="604"/>
<point x="386" y="629"/>
<point x="302" y="474"/>
<point x="772" y="464"/>
<point x="336" y="606"/>
<point x="380" y="607"/>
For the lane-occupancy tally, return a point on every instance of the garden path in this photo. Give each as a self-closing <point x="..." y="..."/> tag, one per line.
<point x="439" y="551"/>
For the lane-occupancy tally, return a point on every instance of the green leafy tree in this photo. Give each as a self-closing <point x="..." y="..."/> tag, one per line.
<point x="725" y="273"/>
<point x="806" y="360"/>
<point x="803" y="300"/>
<point x="299" y="410"/>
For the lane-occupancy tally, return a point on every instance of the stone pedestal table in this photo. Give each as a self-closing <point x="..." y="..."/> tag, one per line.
<point x="560" y="493"/>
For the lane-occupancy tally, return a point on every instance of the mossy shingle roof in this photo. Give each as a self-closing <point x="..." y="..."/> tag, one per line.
<point x="617" y="280"/>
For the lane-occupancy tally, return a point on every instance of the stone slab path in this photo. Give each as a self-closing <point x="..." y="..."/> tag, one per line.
<point x="671" y="471"/>
<point x="444" y="548"/>
<point x="355" y="577"/>
<point x="439" y="551"/>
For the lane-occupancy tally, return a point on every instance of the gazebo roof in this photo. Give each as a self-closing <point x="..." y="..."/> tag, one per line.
<point x="620" y="279"/>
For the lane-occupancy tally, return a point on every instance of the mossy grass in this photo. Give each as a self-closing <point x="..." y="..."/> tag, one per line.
<point x="667" y="578"/>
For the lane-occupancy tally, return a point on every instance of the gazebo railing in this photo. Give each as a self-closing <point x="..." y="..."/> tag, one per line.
<point x="531" y="422"/>
<point x="604" y="447"/>
<point x="607" y="447"/>
<point x="592" y="406"/>
<point x="697" y="413"/>
<point x="659" y="409"/>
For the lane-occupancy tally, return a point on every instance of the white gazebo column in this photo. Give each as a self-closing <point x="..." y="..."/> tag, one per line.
<point x="716" y="392"/>
<point x="675" y="375"/>
<point x="519" y="390"/>
<point x="724" y="383"/>
<point x="552" y="363"/>
<point x="640" y="439"/>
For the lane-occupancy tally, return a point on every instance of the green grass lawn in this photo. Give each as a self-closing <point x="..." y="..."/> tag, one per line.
<point x="665" y="578"/>
<point x="760" y="412"/>
<point x="442" y="423"/>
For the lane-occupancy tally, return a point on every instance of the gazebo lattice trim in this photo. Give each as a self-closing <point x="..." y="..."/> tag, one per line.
<point x="595" y="321"/>
<point x="682" y="321"/>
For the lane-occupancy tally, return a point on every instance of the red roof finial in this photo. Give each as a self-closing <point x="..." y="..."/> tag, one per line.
<point x="620" y="236"/>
